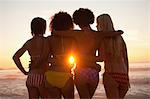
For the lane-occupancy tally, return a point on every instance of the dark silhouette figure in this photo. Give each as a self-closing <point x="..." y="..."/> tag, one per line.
<point x="87" y="71"/>
<point x="59" y="77"/>
<point x="114" y="53"/>
<point x="36" y="48"/>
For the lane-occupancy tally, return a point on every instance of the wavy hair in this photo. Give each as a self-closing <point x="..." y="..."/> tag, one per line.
<point x="61" y="21"/>
<point x="83" y="17"/>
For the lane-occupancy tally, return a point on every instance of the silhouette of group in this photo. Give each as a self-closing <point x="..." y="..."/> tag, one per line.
<point x="52" y="76"/>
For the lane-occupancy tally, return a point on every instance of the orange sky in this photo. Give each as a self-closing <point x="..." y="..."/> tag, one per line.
<point x="131" y="16"/>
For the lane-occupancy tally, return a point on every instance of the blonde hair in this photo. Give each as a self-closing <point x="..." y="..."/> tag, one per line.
<point x="105" y="20"/>
<point x="112" y="45"/>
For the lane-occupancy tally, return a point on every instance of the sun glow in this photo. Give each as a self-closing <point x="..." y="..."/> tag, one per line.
<point x="135" y="35"/>
<point x="71" y="59"/>
<point x="72" y="62"/>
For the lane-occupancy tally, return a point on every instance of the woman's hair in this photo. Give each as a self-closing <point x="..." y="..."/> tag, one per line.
<point x="38" y="26"/>
<point x="61" y="21"/>
<point x="83" y="17"/>
<point x="112" y="45"/>
<point x="106" y="22"/>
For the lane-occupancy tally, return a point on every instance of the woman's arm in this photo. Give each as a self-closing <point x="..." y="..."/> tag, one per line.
<point x="77" y="33"/>
<point x="125" y="54"/>
<point x="67" y="33"/>
<point x="108" y="33"/>
<point x="91" y="58"/>
<point x="17" y="61"/>
<point x="101" y="51"/>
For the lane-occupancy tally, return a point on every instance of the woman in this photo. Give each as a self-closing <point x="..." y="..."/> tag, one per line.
<point x="37" y="49"/>
<point x="87" y="71"/>
<point x="114" y="54"/>
<point x="59" y="77"/>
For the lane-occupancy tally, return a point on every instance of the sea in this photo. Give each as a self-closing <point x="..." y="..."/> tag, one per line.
<point x="12" y="83"/>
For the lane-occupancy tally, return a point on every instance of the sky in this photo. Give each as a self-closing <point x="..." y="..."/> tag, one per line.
<point x="131" y="16"/>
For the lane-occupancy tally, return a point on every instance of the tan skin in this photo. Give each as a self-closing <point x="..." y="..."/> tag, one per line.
<point x="112" y="64"/>
<point x="61" y="48"/>
<point x="87" y="43"/>
<point x="90" y="36"/>
<point x="33" y="51"/>
<point x="107" y="62"/>
<point x="61" y="52"/>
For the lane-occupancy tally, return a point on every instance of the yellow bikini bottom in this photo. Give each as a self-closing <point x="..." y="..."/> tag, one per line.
<point x="57" y="79"/>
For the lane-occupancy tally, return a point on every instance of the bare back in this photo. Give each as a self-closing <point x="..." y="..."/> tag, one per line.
<point x="61" y="48"/>
<point x="86" y="43"/>
<point x="114" y="55"/>
<point x="37" y="48"/>
<point x="87" y="46"/>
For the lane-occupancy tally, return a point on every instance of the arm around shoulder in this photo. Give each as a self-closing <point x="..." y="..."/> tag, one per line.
<point x="67" y="33"/>
<point x="108" y="33"/>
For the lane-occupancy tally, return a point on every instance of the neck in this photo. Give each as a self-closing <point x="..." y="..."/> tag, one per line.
<point x="38" y="35"/>
<point x="86" y="28"/>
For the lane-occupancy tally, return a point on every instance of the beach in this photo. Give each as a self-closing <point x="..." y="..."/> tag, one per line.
<point x="12" y="84"/>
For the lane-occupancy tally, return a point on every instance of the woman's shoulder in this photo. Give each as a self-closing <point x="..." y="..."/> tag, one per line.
<point x="52" y="37"/>
<point x="119" y="37"/>
<point x="28" y="42"/>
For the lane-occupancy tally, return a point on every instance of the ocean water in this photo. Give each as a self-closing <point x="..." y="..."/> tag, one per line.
<point x="12" y="84"/>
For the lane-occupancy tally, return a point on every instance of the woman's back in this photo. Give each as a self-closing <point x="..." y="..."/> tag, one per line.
<point x="61" y="48"/>
<point x="114" y="49"/>
<point x="37" y="48"/>
<point x="86" y="43"/>
<point x="87" y="46"/>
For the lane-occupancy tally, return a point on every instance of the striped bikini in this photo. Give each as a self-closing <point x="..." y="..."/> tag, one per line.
<point x="120" y="78"/>
<point x="35" y="79"/>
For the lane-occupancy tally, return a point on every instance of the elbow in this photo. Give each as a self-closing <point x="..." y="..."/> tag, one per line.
<point x="14" y="57"/>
